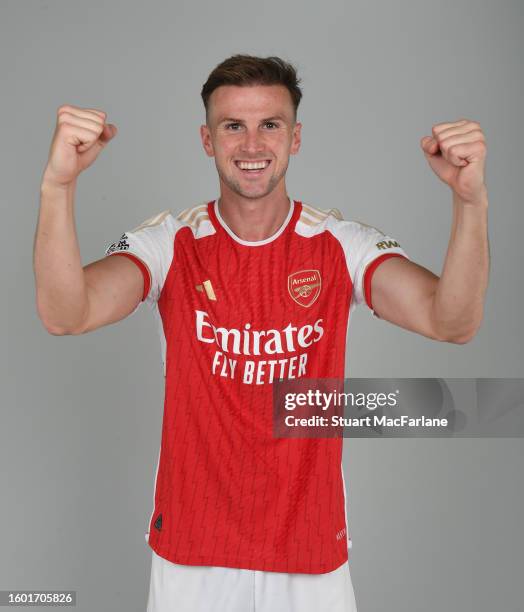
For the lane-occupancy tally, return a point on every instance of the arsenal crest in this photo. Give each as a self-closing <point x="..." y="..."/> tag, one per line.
<point x="304" y="286"/>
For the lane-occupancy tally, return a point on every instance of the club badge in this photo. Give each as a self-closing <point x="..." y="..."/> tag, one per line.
<point x="304" y="287"/>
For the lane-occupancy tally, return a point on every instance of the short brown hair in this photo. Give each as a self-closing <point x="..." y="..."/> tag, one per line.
<point x="243" y="70"/>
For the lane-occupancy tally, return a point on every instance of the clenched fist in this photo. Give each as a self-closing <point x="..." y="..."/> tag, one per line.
<point x="457" y="154"/>
<point x="80" y="135"/>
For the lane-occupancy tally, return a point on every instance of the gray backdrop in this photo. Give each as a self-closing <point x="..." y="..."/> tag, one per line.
<point x="436" y="524"/>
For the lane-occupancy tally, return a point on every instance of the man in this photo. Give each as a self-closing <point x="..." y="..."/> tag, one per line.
<point x="248" y="288"/>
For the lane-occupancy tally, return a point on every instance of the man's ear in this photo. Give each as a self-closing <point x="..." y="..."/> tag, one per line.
<point x="297" y="138"/>
<point x="205" y="136"/>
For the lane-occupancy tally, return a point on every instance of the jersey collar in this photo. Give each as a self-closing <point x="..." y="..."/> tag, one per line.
<point x="216" y="217"/>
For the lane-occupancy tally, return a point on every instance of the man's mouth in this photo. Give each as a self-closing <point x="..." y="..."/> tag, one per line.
<point x="254" y="168"/>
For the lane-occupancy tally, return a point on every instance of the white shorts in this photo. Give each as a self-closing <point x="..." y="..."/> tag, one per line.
<point x="195" y="588"/>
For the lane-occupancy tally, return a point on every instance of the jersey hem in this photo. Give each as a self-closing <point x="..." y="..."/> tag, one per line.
<point x="142" y="267"/>
<point x="242" y="563"/>
<point x="370" y="270"/>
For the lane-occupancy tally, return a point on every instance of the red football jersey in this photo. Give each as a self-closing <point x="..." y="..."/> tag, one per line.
<point x="233" y="316"/>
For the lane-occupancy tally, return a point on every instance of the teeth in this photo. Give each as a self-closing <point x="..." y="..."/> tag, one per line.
<point x="252" y="165"/>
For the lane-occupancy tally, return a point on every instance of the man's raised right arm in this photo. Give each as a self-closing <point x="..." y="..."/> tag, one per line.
<point x="71" y="298"/>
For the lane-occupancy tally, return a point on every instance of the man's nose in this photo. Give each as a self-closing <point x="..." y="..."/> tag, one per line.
<point x="253" y="141"/>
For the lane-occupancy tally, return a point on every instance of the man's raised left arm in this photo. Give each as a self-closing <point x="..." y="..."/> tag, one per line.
<point x="449" y="308"/>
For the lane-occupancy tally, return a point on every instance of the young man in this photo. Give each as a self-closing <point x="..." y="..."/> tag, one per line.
<point x="248" y="288"/>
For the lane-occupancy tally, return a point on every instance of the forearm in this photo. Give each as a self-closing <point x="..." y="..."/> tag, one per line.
<point x="459" y="297"/>
<point x="61" y="293"/>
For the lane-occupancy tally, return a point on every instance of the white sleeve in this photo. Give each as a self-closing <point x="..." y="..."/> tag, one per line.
<point x="362" y="245"/>
<point x="150" y="246"/>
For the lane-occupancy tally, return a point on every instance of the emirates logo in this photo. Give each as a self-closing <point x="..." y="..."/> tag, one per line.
<point x="304" y="287"/>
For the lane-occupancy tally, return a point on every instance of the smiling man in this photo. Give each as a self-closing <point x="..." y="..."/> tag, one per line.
<point x="251" y="132"/>
<point x="246" y="288"/>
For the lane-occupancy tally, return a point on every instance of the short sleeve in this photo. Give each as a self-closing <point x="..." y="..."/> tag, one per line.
<point x="366" y="247"/>
<point x="150" y="247"/>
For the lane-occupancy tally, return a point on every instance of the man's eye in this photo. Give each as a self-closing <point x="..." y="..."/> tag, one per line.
<point x="234" y="126"/>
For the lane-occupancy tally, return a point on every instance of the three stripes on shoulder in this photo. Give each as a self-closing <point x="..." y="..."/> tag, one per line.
<point x="311" y="215"/>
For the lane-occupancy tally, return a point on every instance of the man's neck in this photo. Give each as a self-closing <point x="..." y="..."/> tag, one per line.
<point x="254" y="219"/>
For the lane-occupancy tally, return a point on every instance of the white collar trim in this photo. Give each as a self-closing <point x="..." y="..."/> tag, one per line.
<point x="255" y="242"/>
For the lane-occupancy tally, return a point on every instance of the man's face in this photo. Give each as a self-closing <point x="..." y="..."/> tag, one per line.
<point x="251" y="124"/>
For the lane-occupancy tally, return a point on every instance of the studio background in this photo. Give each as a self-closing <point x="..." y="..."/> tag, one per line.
<point x="436" y="524"/>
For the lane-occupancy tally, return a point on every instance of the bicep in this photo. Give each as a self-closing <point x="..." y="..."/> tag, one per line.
<point x="402" y="293"/>
<point x="115" y="287"/>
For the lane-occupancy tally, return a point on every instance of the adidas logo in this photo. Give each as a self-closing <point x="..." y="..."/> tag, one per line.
<point x="208" y="288"/>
